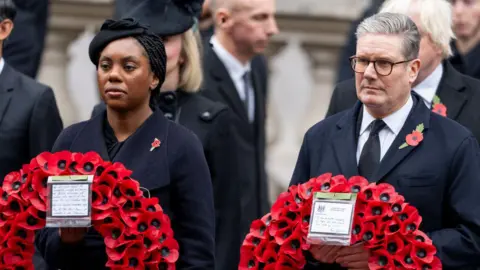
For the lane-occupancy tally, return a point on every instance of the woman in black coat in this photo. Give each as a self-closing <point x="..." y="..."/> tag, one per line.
<point x="131" y="64"/>
<point x="210" y="121"/>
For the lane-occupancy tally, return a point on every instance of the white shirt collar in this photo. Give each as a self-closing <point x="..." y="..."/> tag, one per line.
<point x="428" y="87"/>
<point x="394" y="121"/>
<point x="2" y="64"/>
<point x="233" y="66"/>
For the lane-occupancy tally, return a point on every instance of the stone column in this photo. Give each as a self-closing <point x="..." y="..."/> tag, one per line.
<point x="53" y="71"/>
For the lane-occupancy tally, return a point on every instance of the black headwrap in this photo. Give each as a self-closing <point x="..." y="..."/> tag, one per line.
<point x="112" y="30"/>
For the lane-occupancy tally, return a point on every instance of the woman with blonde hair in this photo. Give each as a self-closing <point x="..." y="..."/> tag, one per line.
<point x="175" y="22"/>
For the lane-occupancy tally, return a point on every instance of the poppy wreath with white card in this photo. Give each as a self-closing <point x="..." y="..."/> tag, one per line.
<point x="382" y="221"/>
<point x="137" y="233"/>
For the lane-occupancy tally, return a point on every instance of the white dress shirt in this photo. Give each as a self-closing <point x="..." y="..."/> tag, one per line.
<point x="236" y="71"/>
<point x="393" y="122"/>
<point x="2" y="64"/>
<point x="428" y="87"/>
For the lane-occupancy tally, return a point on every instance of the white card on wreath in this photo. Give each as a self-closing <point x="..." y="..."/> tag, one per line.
<point x="69" y="201"/>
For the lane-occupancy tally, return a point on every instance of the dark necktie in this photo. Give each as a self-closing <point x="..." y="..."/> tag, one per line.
<point x="246" y="87"/>
<point x="370" y="156"/>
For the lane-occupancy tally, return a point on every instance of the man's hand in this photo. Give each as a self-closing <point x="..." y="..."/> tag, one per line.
<point x="354" y="257"/>
<point x="325" y="254"/>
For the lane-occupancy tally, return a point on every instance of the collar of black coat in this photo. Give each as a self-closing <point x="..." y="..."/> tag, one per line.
<point x="451" y="90"/>
<point x="346" y="137"/>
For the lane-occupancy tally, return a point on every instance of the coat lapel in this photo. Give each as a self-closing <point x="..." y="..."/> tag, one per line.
<point x="418" y="115"/>
<point x="226" y="85"/>
<point x="91" y="138"/>
<point x="345" y="142"/>
<point x="6" y="89"/>
<point x="451" y="91"/>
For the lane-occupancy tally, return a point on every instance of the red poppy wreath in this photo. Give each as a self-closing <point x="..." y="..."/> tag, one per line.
<point x="136" y="231"/>
<point x="386" y="225"/>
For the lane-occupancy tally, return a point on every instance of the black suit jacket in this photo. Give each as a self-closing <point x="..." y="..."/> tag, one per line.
<point x="211" y="122"/>
<point x="460" y="93"/>
<point x="437" y="176"/>
<point x="29" y="120"/>
<point x="176" y="173"/>
<point x="250" y="138"/>
<point x="24" y="47"/>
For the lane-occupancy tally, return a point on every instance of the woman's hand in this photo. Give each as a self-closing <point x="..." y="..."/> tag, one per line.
<point x="72" y="235"/>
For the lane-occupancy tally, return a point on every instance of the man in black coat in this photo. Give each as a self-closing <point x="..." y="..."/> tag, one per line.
<point x="233" y="78"/>
<point x="437" y="175"/>
<point x="29" y="117"/>
<point x="24" y="48"/>
<point x="442" y="88"/>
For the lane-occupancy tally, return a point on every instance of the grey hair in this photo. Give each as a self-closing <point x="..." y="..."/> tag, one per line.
<point x="393" y="24"/>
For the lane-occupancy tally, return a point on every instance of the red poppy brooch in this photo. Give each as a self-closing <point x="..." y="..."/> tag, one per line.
<point x="438" y="107"/>
<point x="155" y="144"/>
<point x="136" y="231"/>
<point x="414" y="138"/>
<point x="385" y="224"/>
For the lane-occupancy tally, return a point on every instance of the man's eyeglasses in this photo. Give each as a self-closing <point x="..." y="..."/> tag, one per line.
<point x="382" y="67"/>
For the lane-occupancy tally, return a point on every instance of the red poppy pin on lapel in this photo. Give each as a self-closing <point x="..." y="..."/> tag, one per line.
<point x="414" y="138"/>
<point x="155" y="144"/>
<point x="439" y="107"/>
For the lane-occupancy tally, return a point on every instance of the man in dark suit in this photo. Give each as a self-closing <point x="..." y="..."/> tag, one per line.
<point x="436" y="176"/>
<point x="233" y="76"/>
<point x="24" y="48"/>
<point x="438" y="81"/>
<point x="29" y="117"/>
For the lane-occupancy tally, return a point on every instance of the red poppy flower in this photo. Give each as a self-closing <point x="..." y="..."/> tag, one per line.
<point x="339" y="183"/>
<point x="86" y="164"/>
<point x="14" y="205"/>
<point x="285" y="199"/>
<point x="112" y="232"/>
<point x="260" y="249"/>
<point x="321" y="182"/>
<point x="152" y="259"/>
<point x="367" y="193"/>
<point x="436" y="264"/>
<point x="368" y="233"/>
<point x="130" y="213"/>
<point x="281" y="229"/>
<point x="13" y="183"/>
<point x="102" y="214"/>
<point x="169" y="250"/>
<point x="55" y="164"/>
<point x="287" y="262"/>
<point x="101" y="197"/>
<point x="251" y="241"/>
<point x="17" y="242"/>
<point x="247" y="259"/>
<point x="269" y="257"/>
<point x="258" y="229"/>
<point x="151" y="204"/>
<point x="304" y="217"/>
<point x="305" y="191"/>
<point x="115" y="254"/>
<point x="109" y="174"/>
<point x="419" y="238"/>
<point x="386" y="193"/>
<point x="295" y="244"/>
<point x="13" y="230"/>
<point x="267" y="218"/>
<point x="31" y="219"/>
<point x="440" y="108"/>
<point x="409" y="219"/>
<point x="39" y="183"/>
<point x="381" y="260"/>
<point x="135" y="256"/>
<point x="150" y="221"/>
<point x="405" y="259"/>
<point x="394" y="243"/>
<point x="357" y="183"/>
<point x="117" y="265"/>
<point x="414" y="138"/>
<point x="130" y="189"/>
<point x="376" y="210"/>
<point x="423" y="253"/>
<point x="14" y="256"/>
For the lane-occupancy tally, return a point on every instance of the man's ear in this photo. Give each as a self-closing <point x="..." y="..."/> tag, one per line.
<point x="6" y="27"/>
<point x="223" y="18"/>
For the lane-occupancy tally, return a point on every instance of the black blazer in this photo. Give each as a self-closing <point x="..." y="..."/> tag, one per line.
<point x="24" y="47"/>
<point x="210" y="121"/>
<point x="176" y="173"/>
<point x="437" y="177"/>
<point x="460" y="93"/>
<point x="29" y="120"/>
<point x="250" y="138"/>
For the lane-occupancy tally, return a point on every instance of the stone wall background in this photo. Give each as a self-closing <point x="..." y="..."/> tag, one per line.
<point x="302" y="62"/>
